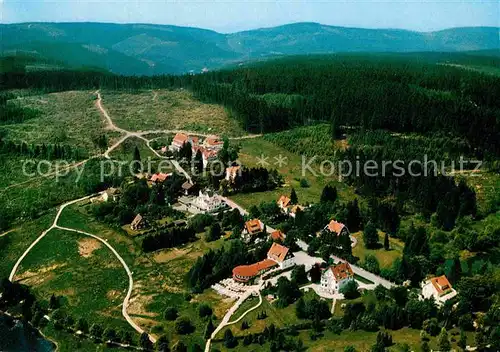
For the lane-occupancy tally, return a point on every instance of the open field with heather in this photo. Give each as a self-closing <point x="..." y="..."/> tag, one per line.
<point x="68" y="118"/>
<point x="168" y="110"/>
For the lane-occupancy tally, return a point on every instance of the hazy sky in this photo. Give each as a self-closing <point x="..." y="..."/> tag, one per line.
<point x="234" y="15"/>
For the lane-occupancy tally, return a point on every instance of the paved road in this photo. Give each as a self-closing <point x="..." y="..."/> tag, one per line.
<point x="377" y="280"/>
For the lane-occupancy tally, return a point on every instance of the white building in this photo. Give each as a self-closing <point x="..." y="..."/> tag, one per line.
<point x="439" y="288"/>
<point x="336" y="277"/>
<point x="281" y="255"/>
<point x="208" y="202"/>
<point x="180" y="139"/>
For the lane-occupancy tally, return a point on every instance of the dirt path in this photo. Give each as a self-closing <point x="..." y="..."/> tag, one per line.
<point x="127" y="269"/>
<point x="7" y="232"/>
<point x="128" y="134"/>
<point x="225" y="321"/>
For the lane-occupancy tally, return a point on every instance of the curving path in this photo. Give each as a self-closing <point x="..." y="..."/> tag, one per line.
<point x="127" y="269"/>
<point x="128" y="134"/>
<point x="225" y="321"/>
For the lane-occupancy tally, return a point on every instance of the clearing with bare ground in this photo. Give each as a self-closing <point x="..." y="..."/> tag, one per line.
<point x="88" y="245"/>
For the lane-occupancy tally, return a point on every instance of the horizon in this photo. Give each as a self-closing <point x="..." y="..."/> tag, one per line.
<point x="237" y="16"/>
<point x="244" y="30"/>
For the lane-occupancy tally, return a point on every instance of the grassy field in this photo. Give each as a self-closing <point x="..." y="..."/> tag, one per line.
<point x="168" y="109"/>
<point x="253" y="149"/>
<point x="280" y="317"/>
<point x="158" y="277"/>
<point x="65" y="118"/>
<point x="385" y="258"/>
<point x="13" y="244"/>
<point x="360" y="340"/>
<point x="83" y="271"/>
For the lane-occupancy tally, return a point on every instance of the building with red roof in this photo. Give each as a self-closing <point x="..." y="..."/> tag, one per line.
<point x="438" y="288"/>
<point x="277" y="236"/>
<point x="336" y="277"/>
<point x="159" y="177"/>
<point x="277" y="256"/>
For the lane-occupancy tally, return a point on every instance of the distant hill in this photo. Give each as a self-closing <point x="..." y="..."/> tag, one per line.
<point x="154" y="49"/>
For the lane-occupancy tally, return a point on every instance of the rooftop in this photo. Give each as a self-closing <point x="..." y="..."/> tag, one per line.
<point x="342" y="271"/>
<point x="277" y="252"/>
<point x="441" y="284"/>
<point x="253" y="226"/>
<point x="335" y="226"/>
<point x="252" y="270"/>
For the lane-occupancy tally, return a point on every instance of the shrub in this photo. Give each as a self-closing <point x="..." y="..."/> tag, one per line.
<point x="170" y="313"/>
<point x="204" y="310"/>
<point x="183" y="326"/>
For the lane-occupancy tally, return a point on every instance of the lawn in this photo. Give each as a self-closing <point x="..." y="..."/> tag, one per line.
<point x="254" y="149"/>
<point x="65" y="118"/>
<point x="168" y="109"/>
<point x="385" y="258"/>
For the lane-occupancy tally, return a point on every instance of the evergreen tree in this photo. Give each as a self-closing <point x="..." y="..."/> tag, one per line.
<point x="198" y="162"/>
<point x="162" y="344"/>
<point x="170" y="313"/>
<point x="186" y="152"/>
<point x="145" y="342"/>
<point x="353" y="216"/>
<point x="214" y="232"/>
<point x="454" y="272"/>
<point x="329" y="194"/>
<point x="293" y="197"/>
<point x="109" y="334"/>
<point x="444" y="341"/>
<point x="300" y="309"/>
<point x="137" y="165"/>
<point x="229" y="340"/>
<point x="370" y="236"/>
<point x="53" y="302"/>
<point x="386" y="242"/>
<point x="209" y="329"/>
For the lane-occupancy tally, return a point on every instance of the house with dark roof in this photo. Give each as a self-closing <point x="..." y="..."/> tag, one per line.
<point x="336" y="277"/>
<point x="138" y="223"/>
<point x="438" y="288"/>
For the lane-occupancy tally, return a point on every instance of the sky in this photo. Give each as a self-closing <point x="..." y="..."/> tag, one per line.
<point x="236" y="15"/>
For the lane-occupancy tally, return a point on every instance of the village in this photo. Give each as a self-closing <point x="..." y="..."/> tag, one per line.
<point x="331" y="278"/>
